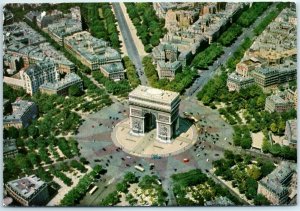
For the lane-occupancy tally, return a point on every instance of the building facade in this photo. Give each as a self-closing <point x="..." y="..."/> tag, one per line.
<point x="61" y="87"/>
<point x="166" y="58"/>
<point x="273" y="76"/>
<point x="278" y="103"/>
<point x="37" y="74"/>
<point x="275" y="185"/>
<point x="9" y="147"/>
<point x="154" y="108"/>
<point x="290" y="133"/>
<point x="114" y="71"/>
<point x="23" y="113"/>
<point x="236" y="82"/>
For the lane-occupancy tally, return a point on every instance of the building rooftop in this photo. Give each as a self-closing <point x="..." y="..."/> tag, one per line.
<point x="113" y="67"/>
<point x="278" y="40"/>
<point x="154" y="95"/>
<point x="266" y="70"/>
<point x="19" y="108"/>
<point x="45" y="51"/>
<point x="9" y="145"/>
<point x="292" y="124"/>
<point x="276" y="99"/>
<point x="274" y="181"/>
<point x="35" y="69"/>
<point x="69" y="78"/>
<point x="21" y="38"/>
<point x="27" y="187"/>
<point x="64" y="27"/>
<point x="92" y="48"/>
<point x="238" y="78"/>
<point x="171" y="65"/>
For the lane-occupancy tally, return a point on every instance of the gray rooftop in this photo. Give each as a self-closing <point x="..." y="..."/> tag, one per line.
<point x="19" y="108"/>
<point x="64" y="27"/>
<point x="20" y="34"/>
<point x="276" y="99"/>
<point x="171" y="65"/>
<point x="274" y="180"/>
<point x="113" y="67"/>
<point x="92" y="48"/>
<point x="68" y="79"/>
<point x="27" y="187"/>
<point x="21" y="38"/>
<point x="9" y="145"/>
<point x="34" y="69"/>
<point x="238" y="78"/>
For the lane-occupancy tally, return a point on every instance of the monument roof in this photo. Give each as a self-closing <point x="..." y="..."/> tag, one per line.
<point x="153" y="94"/>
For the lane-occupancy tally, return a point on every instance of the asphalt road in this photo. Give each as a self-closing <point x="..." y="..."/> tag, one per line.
<point x="206" y="75"/>
<point x="129" y="43"/>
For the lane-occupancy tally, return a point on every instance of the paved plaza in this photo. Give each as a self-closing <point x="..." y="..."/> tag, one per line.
<point x="148" y="145"/>
<point x="97" y="146"/>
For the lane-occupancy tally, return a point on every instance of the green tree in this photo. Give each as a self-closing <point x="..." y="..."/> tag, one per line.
<point x="122" y="187"/>
<point x="254" y="172"/>
<point x="130" y="178"/>
<point x="33" y="131"/>
<point x="267" y="167"/>
<point x="74" y="90"/>
<point x="261" y="200"/>
<point x="274" y="127"/>
<point x="266" y="145"/>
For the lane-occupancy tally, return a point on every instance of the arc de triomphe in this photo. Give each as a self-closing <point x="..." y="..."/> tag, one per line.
<point x="154" y="108"/>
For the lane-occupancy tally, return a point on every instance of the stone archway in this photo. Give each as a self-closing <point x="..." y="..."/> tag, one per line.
<point x="149" y="122"/>
<point x="154" y="108"/>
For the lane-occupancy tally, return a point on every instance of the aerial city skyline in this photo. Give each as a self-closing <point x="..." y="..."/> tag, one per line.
<point x="150" y="104"/>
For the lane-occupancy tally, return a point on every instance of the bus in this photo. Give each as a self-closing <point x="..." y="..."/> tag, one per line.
<point x="141" y="169"/>
<point x="93" y="190"/>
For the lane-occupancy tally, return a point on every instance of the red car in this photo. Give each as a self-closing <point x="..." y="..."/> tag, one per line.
<point x="186" y="160"/>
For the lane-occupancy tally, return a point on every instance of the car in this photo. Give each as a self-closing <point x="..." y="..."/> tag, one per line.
<point x="128" y="157"/>
<point x="185" y="160"/>
<point x="198" y="155"/>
